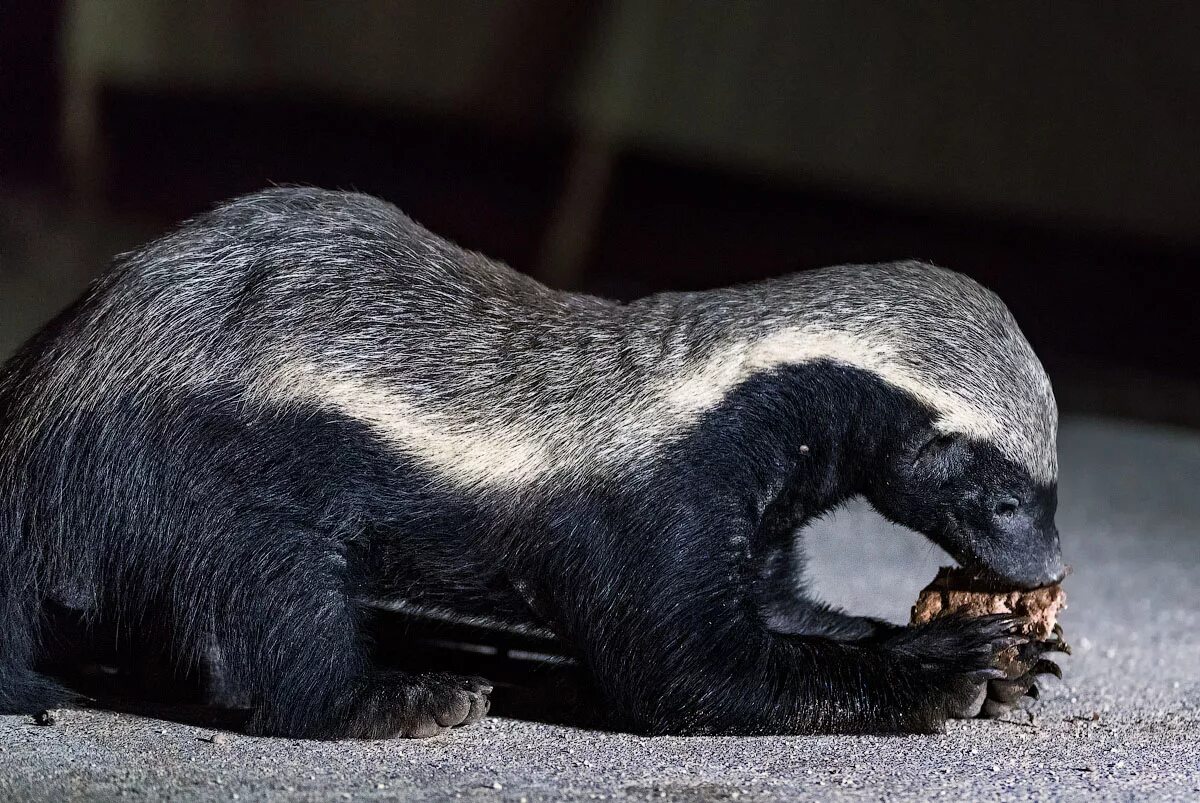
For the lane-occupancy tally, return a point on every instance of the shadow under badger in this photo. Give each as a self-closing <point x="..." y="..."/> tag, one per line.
<point x="303" y="402"/>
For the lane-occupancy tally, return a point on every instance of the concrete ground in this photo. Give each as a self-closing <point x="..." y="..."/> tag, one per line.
<point x="1124" y="723"/>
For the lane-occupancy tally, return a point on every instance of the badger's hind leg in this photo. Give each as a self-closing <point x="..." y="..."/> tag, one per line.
<point x="290" y="641"/>
<point x="390" y="703"/>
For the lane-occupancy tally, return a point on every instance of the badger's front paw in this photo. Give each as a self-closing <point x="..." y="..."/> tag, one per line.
<point x="954" y="660"/>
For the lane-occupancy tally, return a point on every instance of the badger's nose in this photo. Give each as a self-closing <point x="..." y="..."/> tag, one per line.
<point x="1046" y="567"/>
<point x="1033" y="555"/>
<point x="1055" y="570"/>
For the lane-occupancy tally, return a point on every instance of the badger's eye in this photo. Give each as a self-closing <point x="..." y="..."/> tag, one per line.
<point x="1007" y="507"/>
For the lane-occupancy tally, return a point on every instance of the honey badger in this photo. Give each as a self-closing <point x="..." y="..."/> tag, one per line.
<point x="302" y="402"/>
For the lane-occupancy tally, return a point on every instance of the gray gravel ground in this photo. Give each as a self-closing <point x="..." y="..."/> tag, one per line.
<point x="1125" y="723"/>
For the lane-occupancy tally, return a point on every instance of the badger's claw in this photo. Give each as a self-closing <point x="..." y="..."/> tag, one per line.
<point x="1008" y="692"/>
<point x="1004" y="694"/>
<point x="1059" y="642"/>
<point x="1045" y="667"/>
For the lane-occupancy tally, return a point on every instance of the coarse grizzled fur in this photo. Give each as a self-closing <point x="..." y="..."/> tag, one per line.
<point x="302" y="402"/>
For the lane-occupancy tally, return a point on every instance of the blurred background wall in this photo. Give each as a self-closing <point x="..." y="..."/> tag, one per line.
<point x="627" y="146"/>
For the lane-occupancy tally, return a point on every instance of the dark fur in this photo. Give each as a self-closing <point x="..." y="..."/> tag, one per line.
<point x="260" y="536"/>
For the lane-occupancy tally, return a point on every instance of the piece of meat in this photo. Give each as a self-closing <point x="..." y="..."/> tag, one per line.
<point x="958" y="591"/>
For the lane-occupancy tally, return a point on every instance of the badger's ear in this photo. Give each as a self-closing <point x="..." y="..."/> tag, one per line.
<point x="938" y="448"/>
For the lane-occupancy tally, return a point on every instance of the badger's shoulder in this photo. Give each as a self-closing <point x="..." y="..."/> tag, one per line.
<point x="304" y="265"/>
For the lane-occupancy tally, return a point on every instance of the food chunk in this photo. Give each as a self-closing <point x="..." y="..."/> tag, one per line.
<point x="958" y="591"/>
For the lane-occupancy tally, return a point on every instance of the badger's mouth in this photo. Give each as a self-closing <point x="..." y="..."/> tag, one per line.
<point x="1000" y="569"/>
<point x="957" y="543"/>
<point x="956" y="540"/>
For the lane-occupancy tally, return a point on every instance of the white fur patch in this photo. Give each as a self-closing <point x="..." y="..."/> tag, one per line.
<point x="707" y="387"/>
<point x="796" y="346"/>
<point x="475" y="447"/>
<point x="468" y="454"/>
<point x="461" y="451"/>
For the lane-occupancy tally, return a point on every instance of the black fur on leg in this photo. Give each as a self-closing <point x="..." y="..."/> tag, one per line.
<point x="22" y="689"/>
<point x="253" y="558"/>
<point x="719" y="670"/>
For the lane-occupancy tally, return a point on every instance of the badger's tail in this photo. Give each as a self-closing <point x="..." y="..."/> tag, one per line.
<point x="23" y="690"/>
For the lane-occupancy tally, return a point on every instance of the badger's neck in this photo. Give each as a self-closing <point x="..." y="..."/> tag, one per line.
<point x="821" y="427"/>
<point x="715" y="342"/>
<point x="809" y="387"/>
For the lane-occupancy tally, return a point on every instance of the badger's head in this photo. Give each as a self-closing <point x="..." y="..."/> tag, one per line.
<point x="981" y="505"/>
<point x="972" y="464"/>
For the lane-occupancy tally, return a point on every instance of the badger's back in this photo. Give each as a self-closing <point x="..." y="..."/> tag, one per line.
<point x="337" y="302"/>
<point x="271" y="274"/>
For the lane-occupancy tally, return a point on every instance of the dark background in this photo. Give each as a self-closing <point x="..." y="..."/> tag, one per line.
<point x="1052" y="151"/>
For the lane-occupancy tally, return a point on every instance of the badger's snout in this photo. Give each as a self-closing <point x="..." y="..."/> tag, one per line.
<point x="1024" y="544"/>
